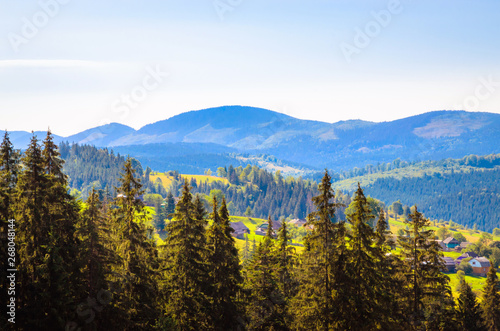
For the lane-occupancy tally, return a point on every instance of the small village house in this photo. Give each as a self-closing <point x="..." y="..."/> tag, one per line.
<point x="480" y="266"/>
<point x="449" y="264"/>
<point x="450" y="243"/>
<point x="298" y="222"/>
<point x="240" y="229"/>
<point x="262" y="229"/>
<point x="465" y="255"/>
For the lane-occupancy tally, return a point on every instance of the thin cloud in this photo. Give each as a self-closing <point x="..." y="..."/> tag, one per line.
<point x="43" y="63"/>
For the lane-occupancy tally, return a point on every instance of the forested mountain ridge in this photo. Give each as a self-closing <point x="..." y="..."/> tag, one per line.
<point x="339" y="146"/>
<point x="88" y="168"/>
<point x="465" y="190"/>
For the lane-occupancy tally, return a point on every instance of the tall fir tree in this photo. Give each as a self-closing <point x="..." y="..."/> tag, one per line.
<point x="319" y="303"/>
<point x="186" y="272"/>
<point x="245" y="254"/>
<point x="137" y="294"/>
<point x="369" y="283"/>
<point x="491" y="301"/>
<point x="33" y="238"/>
<point x="428" y="303"/>
<point x="468" y="310"/>
<point x="224" y="271"/>
<point x="285" y="254"/>
<point x="169" y="204"/>
<point x="265" y="304"/>
<point x="382" y="230"/>
<point x="285" y="269"/>
<point x="62" y="215"/>
<point x="100" y="261"/>
<point x="47" y="215"/>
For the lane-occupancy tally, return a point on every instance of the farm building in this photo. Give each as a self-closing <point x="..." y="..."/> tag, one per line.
<point x="298" y="222"/>
<point x="465" y="256"/>
<point x="262" y="229"/>
<point x="451" y="243"/>
<point x="449" y="264"/>
<point x="239" y="229"/>
<point x="480" y="266"/>
<point x="464" y="244"/>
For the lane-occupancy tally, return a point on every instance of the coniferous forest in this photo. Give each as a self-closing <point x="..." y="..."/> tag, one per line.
<point x="94" y="265"/>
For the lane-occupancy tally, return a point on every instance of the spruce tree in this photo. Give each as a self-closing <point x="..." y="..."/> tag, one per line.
<point x="468" y="311"/>
<point x="62" y="215"/>
<point x="320" y="301"/>
<point x="186" y="272"/>
<point x="9" y="170"/>
<point x="100" y="260"/>
<point x="224" y="270"/>
<point x="169" y="204"/>
<point x="137" y="287"/>
<point x="245" y="254"/>
<point x="491" y="301"/>
<point x="265" y="304"/>
<point x="285" y="257"/>
<point x="35" y="306"/>
<point x="369" y="283"/>
<point x="428" y="296"/>
<point x="382" y="230"/>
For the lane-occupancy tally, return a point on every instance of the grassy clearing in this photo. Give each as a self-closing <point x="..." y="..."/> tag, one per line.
<point x="470" y="235"/>
<point x="206" y="179"/>
<point x="167" y="180"/>
<point x="476" y="283"/>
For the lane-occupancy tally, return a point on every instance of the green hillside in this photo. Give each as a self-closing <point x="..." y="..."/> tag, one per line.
<point x="465" y="190"/>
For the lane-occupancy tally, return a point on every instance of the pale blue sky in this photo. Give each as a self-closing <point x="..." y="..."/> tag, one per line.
<point x="285" y="55"/>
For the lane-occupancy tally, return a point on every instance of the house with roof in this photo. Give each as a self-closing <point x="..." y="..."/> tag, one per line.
<point x="465" y="255"/>
<point x="464" y="244"/>
<point x="239" y="229"/>
<point x="451" y="243"/>
<point x="298" y="222"/>
<point x="480" y="266"/>
<point x="262" y="229"/>
<point x="449" y="264"/>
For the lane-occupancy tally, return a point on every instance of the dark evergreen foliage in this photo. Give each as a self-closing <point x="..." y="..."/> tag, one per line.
<point x="265" y="306"/>
<point x="319" y="303"/>
<point x="491" y="301"/>
<point x="224" y="272"/>
<point x="186" y="276"/>
<point x="468" y="310"/>
<point x="94" y="265"/>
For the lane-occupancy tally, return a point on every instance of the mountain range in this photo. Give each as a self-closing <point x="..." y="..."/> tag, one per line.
<point x="232" y="134"/>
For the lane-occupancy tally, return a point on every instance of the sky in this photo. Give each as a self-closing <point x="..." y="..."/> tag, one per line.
<point x="71" y="64"/>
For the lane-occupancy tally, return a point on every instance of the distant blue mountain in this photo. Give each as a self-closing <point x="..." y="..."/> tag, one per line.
<point x="102" y="135"/>
<point x="21" y="139"/>
<point x="342" y="145"/>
